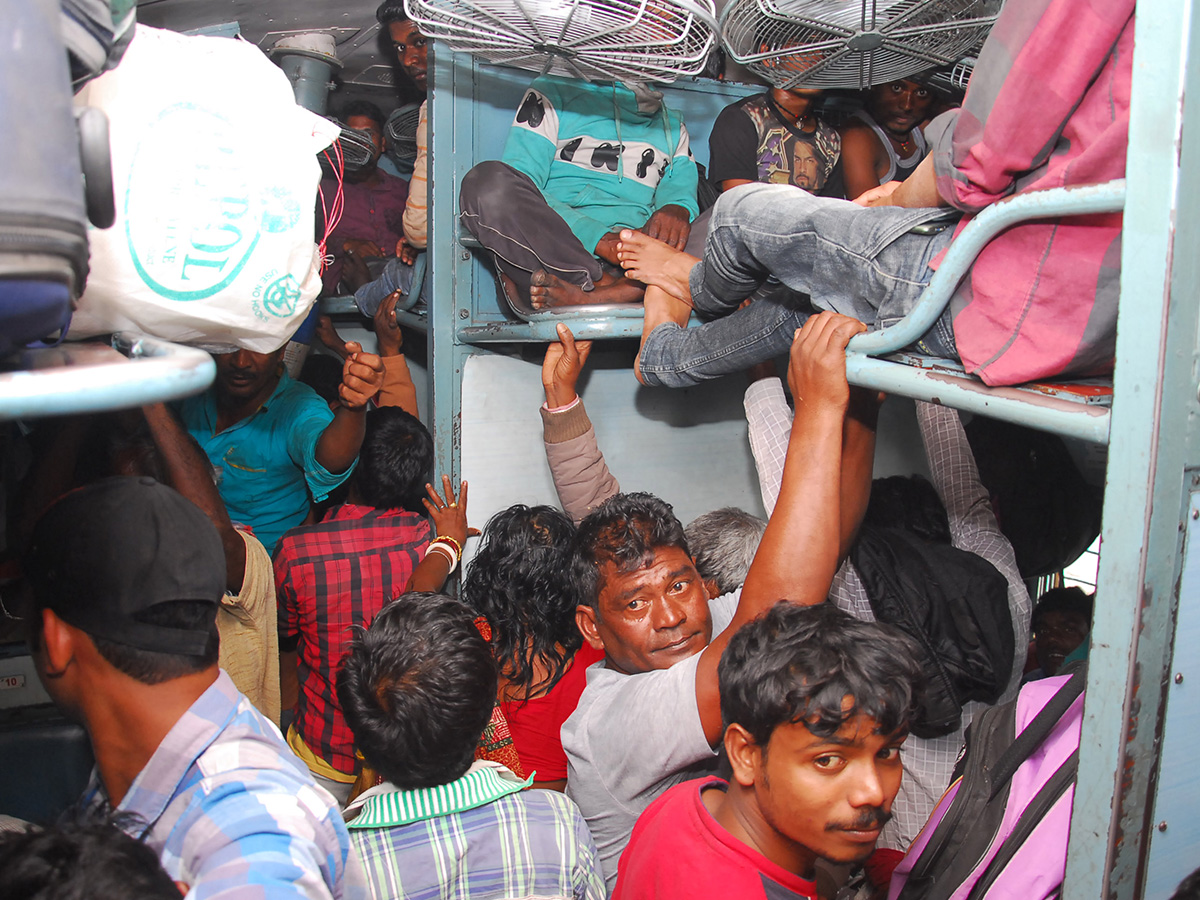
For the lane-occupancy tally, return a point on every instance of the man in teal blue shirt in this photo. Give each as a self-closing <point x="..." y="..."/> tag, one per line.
<point x="272" y="440"/>
<point x="582" y="161"/>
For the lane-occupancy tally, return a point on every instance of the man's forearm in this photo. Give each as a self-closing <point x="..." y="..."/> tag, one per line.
<point x="919" y="190"/>
<point x="807" y="514"/>
<point x="190" y="473"/>
<point x="398" y="388"/>
<point x="797" y="556"/>
<point x="339" y="443"/>
<point x="580" y="474"/>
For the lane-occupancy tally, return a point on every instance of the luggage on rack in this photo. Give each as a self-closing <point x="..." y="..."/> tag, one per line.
<point x="215" y="175"/>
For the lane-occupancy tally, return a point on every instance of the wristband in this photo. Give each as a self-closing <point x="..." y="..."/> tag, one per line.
<point x="446" y="539"/>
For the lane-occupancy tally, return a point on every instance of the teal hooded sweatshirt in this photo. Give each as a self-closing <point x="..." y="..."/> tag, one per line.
<point x="602" y="161"/>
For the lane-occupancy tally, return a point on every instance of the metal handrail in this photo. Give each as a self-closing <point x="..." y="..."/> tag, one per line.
<point x="91" y="377"/>
<point x="960" y="255"/>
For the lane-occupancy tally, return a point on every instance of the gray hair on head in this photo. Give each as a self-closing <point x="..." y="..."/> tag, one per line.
<point x="724" y="542"/>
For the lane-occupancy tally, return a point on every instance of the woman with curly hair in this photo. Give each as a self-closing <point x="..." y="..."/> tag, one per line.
<point x="517" y="581"/>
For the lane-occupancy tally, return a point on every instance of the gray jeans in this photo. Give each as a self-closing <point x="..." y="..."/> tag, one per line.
<point x="806" y="253"/>
<point x="397" y="275"/>
<point x="507" y="213"/>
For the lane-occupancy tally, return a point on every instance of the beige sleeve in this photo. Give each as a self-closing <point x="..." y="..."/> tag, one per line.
<point x="580" y="474"/>
<point x="248" y="626"/>
<point x="416" y="210"/>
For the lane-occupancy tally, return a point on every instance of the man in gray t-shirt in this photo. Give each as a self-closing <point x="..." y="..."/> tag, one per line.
<point x="650" y="715"/>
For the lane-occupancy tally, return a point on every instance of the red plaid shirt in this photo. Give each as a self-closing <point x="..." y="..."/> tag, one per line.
<point x="329" y="577"/>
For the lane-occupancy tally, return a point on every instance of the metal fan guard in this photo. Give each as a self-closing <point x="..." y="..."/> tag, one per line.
<point x="836" y="44"/>
<point x="357" y="150"/>
<point x="598" y="40"/>
<point x="400" y="133"/>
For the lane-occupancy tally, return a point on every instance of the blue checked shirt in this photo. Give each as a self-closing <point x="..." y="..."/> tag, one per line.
<point x="232" y="812"/>
<point x="478" y="838"/>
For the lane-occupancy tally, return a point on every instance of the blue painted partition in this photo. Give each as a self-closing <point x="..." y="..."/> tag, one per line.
<point x="480" y="105"/>
<point x="485" y="363"/>
<point x="470" y="111"/>
<point x="1134" y="831"/>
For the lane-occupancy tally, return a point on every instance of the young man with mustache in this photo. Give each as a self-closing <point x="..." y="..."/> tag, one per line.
<point x="816" y="705"/>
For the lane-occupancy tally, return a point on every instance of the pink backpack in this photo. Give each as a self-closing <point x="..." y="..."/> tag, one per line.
<point x="1000" y="830"/>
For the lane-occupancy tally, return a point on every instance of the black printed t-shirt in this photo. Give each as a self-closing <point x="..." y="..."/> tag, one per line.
<point x="751" y="140"/>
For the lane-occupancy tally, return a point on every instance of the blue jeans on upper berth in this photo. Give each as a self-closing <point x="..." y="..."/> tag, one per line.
<point x="808" y="253"/>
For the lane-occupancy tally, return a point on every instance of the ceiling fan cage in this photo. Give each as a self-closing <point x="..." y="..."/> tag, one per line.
<point x="840" y="44"/>
<point x="400" y="133"/>
<point x="598" y="40"/>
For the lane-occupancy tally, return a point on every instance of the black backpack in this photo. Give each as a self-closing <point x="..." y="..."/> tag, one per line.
<point x="1045" y="508"/>
<point x="955" y="605"/>
<point x="992" y="838"/>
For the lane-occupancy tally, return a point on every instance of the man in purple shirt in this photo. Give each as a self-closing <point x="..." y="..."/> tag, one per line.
<point x="1040" y="299"/>
<point x="371" y="225"/>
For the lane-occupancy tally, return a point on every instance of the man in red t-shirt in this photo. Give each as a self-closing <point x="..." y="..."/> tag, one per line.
<point x="816" y="705"/>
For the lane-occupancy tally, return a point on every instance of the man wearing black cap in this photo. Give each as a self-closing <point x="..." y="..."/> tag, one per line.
<point x="126" y="576"/>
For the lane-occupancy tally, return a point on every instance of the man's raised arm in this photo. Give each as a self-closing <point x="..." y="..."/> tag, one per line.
<point x="581" y="476"/>
<point x="362" y="376"/>
<point x="799" y="551"/>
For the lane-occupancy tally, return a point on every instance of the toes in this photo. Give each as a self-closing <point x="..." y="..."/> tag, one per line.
<point x="539" y="278"/>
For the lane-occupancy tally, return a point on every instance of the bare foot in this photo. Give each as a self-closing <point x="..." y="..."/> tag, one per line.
<point x="548" y="291"/>
<point x="661" y="308"/>
<point x="653" y="262"/>
<point x="511" y="292"/>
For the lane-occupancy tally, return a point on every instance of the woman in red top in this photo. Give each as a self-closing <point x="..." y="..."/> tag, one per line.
<point x="517" y="581"/>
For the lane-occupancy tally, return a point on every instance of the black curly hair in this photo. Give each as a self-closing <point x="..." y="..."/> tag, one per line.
<point x="800" y="663"/>
<point x="518" y="580"/>
<point x="417" y="689"/>
<point x="625" y="530"/>
<point x="87" y="854"/>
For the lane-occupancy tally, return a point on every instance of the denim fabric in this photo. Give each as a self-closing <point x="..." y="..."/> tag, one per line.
<point x="831" y="254"/>
<point x="682" y="357"/>
<point x="397" y="275"/>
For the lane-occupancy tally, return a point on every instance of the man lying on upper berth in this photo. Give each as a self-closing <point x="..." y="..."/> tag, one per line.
<point x="1040" y="299"/>
<point x="583" y="160"/>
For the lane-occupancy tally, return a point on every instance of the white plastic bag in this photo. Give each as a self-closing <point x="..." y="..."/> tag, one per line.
<point x="215" y="175"/>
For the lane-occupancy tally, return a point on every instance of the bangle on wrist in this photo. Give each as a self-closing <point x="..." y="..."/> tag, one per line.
<point x="443" y="549"/>
<point x="446" y="539"/>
